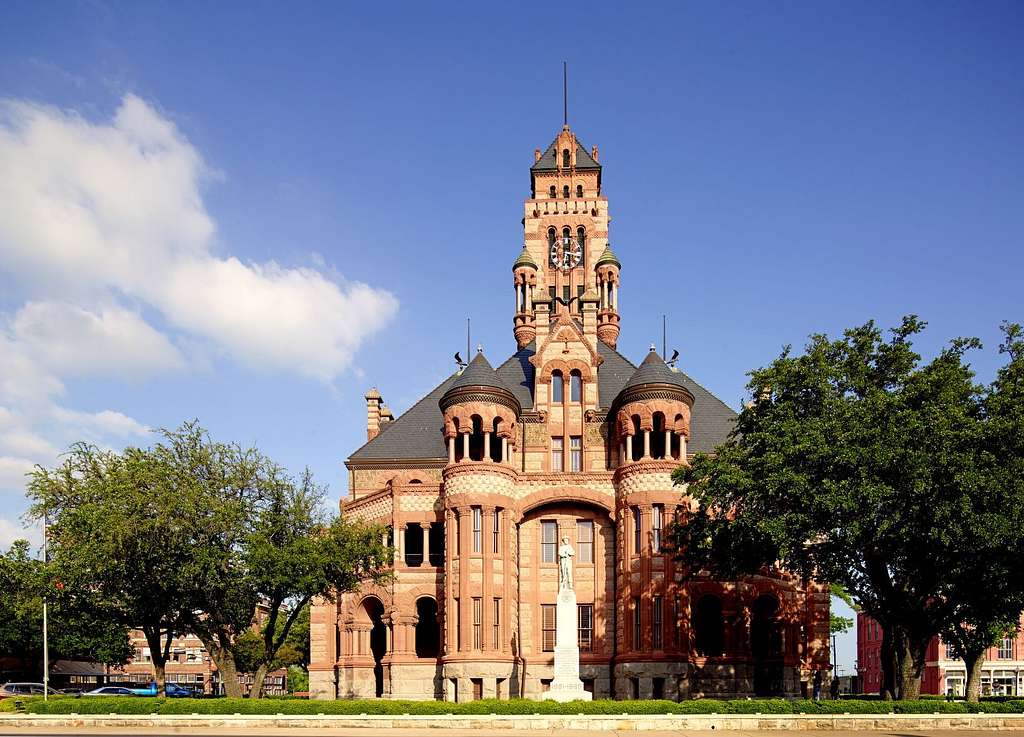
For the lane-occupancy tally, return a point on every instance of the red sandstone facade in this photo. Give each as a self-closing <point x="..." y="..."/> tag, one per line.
<point x="567" y="438"/>
<point x="1002" y="673"/>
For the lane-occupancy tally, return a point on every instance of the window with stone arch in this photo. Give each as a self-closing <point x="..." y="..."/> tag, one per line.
<point x="581" y="238"/>
<point x="575" y="386"/>
<point x="565" y="158"/>
<point x="565" y="191"/>
<point x="552" y="233"/>
<point x="552" y="192"/>
<point x="579" y="190"/>
<point x="428" y="628"/>
<point x="557" y="387"/>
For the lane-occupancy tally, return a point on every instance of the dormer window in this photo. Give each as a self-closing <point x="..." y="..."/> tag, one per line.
<point x="557" y="388"/>
<point x="565" y="158"/>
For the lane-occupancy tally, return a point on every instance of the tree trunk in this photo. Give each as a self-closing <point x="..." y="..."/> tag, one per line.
<point x="887" y="659"/>
<point x="256" y="692"/>
<point x="224" y="659"/>
<point x="974" y="660"/>
<point x="157" y="654"/>
<point x="910" y="659"/>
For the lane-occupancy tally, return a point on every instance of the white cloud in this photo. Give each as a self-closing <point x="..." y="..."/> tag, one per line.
<point x="11" y="531"/>
<point x="92" y="425"/>
<point x="112" y="341"/>
<point x="12" y="472"/>
<point x="116" y="208"/>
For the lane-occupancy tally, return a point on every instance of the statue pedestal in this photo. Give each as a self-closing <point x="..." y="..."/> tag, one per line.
<point x="567" y="685"/>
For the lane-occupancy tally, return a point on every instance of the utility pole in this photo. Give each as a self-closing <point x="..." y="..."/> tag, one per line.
<point x="46" y="643"/>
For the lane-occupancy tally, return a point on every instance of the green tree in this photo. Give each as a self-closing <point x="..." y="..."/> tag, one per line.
<point x="838" y="624"/>
<point x="266" y="549"/>
<point x="118" y="544"/>
<point x="24" y="581"/>
<point x="854" y="465"/>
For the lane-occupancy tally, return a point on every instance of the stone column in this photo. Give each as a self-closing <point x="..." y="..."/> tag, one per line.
<point x="529" y="296"/>
<point x="629" y="448"/>
<point x="465" y="446"/>
<point x="647" y="443"/>
<point x="504" y="449"/>
<point x="668" y="445"/>
<point x="487" y="446"/>
<point x="451" y="449"/>
<point x="487" y="588"/>
<point x="425" y="526"/>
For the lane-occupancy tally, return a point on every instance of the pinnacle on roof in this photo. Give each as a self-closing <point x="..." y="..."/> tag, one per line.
<point x="608" y="257"/>
<point x="525" y="259"/>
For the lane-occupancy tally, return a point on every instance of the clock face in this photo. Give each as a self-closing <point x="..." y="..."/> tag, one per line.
<point x="566" y="253"/>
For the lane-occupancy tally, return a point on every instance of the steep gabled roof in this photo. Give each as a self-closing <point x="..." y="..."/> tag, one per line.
<point x="418" y="432"/>
<point x="549" y="159"/>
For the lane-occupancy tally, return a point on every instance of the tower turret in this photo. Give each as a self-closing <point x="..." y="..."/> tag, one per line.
<point x="607" y="269"/>
<point x="524" y="272"/>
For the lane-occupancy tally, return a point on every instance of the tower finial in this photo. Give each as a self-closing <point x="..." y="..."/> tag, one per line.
<point x="565" y="93"/>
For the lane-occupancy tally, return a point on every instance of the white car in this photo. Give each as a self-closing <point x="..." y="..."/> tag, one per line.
<point x="110" y="691"/>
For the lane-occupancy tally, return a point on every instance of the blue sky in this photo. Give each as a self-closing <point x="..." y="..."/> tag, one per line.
<point x="287" y="204"/>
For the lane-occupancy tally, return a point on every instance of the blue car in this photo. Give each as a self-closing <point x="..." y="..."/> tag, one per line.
<point x="173" y="690"/>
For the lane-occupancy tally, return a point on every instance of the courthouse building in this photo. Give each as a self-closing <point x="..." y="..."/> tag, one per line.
<point x="566" y="437"/>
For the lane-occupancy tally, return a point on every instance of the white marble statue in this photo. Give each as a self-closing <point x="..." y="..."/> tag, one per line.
<point x="565" y="554"/>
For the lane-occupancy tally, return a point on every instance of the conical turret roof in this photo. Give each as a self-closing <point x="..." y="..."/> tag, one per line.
<point x="608" y="257"/>
<point x="525" y="259"/>
<point x="479" y="377"/>
<point x="654" y="373"/>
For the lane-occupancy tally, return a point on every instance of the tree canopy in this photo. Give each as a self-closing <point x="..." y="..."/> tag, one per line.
<point x="860" y="464"/>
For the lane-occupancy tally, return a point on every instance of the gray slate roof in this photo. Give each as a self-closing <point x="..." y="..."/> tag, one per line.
<point x="479" y="373"/>
<point x="654" y="370"/>
<point x="417" y="433"/>
<point x="549" y="159"/>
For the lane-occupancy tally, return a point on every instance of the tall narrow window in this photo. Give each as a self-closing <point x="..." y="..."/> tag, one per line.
<point x="579" y="190"/>
<point x="585" y="540"/>
<point x="586" y="627"/>
<point x="576" y="453"/>
<point x="581" y="238"/>
<point x="477" y="532"/>
<point x="565" y="191"/>
<point x="552" y="233"/>
<point x="637" y="539"/>
<point x="478" y="611"/>
<point x="548" y="629"/>
<point x="656" y="641"/>
<point x="575" y="386"/>
<point x="657" y="521"/>
<point x="557" y="387"/>
<point x="637" y="627"/>
<point x="548" y="541"/>
<point x="1005" y="651"/>
<point x="552" y="193"/>
<point x="496" y="641"/>
<point x="557" y="454"/>
<point x="565" y="158"/>
<point x="496" y="531"/>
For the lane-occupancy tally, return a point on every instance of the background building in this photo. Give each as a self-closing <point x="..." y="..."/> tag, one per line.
<point x="1002" y="673"/>
<point x="481" y="478"/>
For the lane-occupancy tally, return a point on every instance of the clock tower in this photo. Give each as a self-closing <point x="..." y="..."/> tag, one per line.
<point x="565" y="253"/>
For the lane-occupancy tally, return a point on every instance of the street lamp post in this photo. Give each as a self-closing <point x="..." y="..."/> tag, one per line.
<point x="46" y="642"/>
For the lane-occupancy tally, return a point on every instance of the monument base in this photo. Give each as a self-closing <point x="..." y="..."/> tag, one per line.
<point x="566" y="685"/>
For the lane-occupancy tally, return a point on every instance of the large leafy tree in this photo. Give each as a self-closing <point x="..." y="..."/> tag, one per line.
<point x="854" y="464"/>
<point x="117" y="542"/>
<point x="266" y="549"/>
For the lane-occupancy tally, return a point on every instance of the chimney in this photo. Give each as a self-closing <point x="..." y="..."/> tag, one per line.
<point x="536" y="155"/>
<point x="593" y="153"/>
<point x="373" y="413"/>
<point x="385" y="415"/>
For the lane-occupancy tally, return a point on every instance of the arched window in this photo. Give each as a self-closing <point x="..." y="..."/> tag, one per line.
<point x="575" y="386"/>
<point x="709" y="627"/>
<point x="581" y="238"/>
<point x="552" y="235"/>
<point x="579" y="190"/>
<point x="638" y="439"/>
<point x="458" y="441"/>
<point x="476" y="440"/>
<point x="566" y="235"/>
<point x="428" y="629"/>
<point x="552" y="192"/>
<point x="658" y="449"/>
<point x="565" y="191"/>
<point x="557" y="387"/>
<point x="496" y="442"/>
<point x="565" y="158"/>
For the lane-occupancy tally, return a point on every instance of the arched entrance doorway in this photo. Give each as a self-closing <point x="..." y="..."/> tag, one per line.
<point x="766" y="646"/>
<point x="373" y="610"/>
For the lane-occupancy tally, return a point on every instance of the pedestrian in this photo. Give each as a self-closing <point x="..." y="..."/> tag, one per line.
<point x="817" y="685"/>
<point x="833" y="688"/>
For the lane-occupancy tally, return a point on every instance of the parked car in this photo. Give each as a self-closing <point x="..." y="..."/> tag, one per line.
<point x="176" y="691"/>
<point x="74" y="690"/>
<point x="110" y="691"/>
<point x="22" y="689"/>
